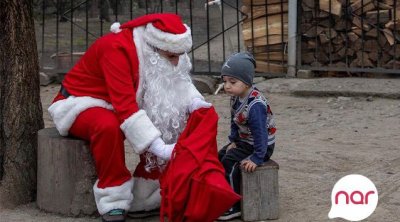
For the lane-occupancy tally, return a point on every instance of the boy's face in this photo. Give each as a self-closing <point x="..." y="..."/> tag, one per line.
<point x="235" y="87"/>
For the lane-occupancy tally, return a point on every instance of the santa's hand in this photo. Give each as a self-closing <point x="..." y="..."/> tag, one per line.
<point x="198" y="103"/>
<point x="160" y="149"/>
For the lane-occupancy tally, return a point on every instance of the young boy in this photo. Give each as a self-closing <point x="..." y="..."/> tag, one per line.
<point x="252" y="136"/>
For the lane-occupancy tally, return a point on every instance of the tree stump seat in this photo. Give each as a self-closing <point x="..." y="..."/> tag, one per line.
<point x="66" y="175"/>
<point x="260" y="193"/>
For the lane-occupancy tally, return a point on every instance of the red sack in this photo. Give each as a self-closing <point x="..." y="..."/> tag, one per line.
<point x="193" y="186"/>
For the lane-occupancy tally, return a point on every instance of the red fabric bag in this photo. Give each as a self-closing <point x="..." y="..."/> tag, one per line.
<point x="193" y="186"/>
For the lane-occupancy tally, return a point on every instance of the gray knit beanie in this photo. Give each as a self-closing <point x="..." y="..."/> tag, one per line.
<point x="241" y="66"/>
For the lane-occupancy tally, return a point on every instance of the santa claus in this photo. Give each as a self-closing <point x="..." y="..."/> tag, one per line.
<point x="131" y="84"/>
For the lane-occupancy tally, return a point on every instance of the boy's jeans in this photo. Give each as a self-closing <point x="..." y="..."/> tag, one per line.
<point x="231" y="161"/>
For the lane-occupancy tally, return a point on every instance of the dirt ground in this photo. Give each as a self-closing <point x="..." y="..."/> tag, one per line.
<point x="319" y="140"/>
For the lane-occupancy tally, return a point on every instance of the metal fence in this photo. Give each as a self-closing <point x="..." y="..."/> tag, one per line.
<point x="66" y="28"/>
<point x="349" y="36"/>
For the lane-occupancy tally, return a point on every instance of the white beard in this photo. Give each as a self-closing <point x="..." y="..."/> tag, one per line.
<point x="164" y="95"/>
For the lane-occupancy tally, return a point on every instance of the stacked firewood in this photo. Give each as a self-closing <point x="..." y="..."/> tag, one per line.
<point x="265" y="33"/>
<point x="359" y="33"/>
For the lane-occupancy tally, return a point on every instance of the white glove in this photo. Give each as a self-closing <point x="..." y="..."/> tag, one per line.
<point x="198" y="103"/>
<point x="160" y="149"/>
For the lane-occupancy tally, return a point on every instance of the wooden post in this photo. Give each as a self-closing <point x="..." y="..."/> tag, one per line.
<point x="66" y="175"/>
<point x="260" y="193"/>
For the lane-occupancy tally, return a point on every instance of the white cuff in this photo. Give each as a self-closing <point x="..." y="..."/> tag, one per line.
<point x="140" y="131"/>
<point x="109" y="198"/>
<point x="146" y="194"/>
<point x="198" y="103"/>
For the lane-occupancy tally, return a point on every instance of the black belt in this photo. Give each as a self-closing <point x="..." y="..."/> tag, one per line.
<point x="64" y="92"/>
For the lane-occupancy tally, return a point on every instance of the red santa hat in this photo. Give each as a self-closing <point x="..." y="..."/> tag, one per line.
<point x="165" y="31"/>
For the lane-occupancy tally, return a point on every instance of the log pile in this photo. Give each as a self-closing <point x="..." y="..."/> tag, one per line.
<point x="265" y="32"/>
<point x="353" y="33"/>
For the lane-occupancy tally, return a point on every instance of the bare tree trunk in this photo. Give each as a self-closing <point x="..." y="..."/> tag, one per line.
<point x="20" y="107"/>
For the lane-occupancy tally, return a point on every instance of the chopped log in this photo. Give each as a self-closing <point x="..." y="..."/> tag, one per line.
<point x="338" y="64"/>
<point x="262" y="183"/>
<point x="307" y="17"/>
<point x="342" y="25"/>
<point x="66" y="175"/>
<point x="331" y="6"/>
<point x="321" y="56"/>
<point x="352" y="36"/>
<point x="392" y="64"/>
<point x="395" y="51"/>
<point x="397" y="18"/>
<point x="383" y="42"/>
<point x="361" y="23"/>
<point x="373" y="56"/>
<point x="260" y="11"/>
<point x="389" y="36"/>
<point x="308" y="4"/>
<point x="272" y="39"/>
<point x="262" y="26"/>
<point x="388" y="2"/>
<point x="325" y="23"/>
<point x="331" y="33"/>
<point x="271" y="56"/>
<point x="322" y="15"/>
<point x="312" y="44"/>
<point x="314" y="31"/>
<point x="339" y="40"/>
<point x="269" y="67"/>
<point x="350" y="52"/>
<point x="371" y="45"/>
<point x="382" y="57"/>
<point x="267" y="48"/>
<point x="362" y="6"/>
<point x="316" y="64"/>
<point x="262" y="2"/>
<point x="372" y="33"/>
<point x="392" y="25"/>
<point x="358" y="31"/>
<point x="323" y="38"/>
<point x="307" y="58"/>
<point x="362" y="60"/>
<point x="342" y="52"/>
<point x="357" y="45"/>
<point x="384" y="6"/>
<point x="378" y="17"/>
<point x="335" y="57"/>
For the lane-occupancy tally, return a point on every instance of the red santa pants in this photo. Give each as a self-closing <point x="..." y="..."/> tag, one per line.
<point x="102" y="129"/>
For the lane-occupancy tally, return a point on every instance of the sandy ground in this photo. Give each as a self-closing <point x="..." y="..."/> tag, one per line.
<point x="319" y="140"/>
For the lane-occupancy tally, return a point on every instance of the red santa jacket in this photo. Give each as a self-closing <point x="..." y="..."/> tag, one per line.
<point x="193" y="186"/>
<point x="107" y="76"/>
<point x="108" y="71"/>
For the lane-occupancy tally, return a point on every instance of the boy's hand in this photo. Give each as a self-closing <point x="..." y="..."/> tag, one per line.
<point x="232" y="145"/>
<point x="248" y="166"/>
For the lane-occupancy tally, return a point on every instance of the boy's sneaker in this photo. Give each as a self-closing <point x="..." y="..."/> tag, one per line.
<point x="116" y="215"/>
<point x="230" y="214"/>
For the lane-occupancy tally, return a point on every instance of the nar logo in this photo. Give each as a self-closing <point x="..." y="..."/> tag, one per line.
<point x="354" y="198"/>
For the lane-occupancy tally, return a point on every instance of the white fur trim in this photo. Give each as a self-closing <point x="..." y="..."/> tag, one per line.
<point x="115" y="27"/>
<point x="64" y="112"/>
<point x="176" y="43"/>
<point x="146" y="195"/>
<point x="138" y="40"/>
<point x="140" y="131"/>
<point x="109" y="198"/>
<point x="194" y="93"/>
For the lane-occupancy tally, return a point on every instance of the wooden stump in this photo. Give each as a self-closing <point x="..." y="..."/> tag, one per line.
<point x="66" y="175"/>
<point x="260" y="193"/>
